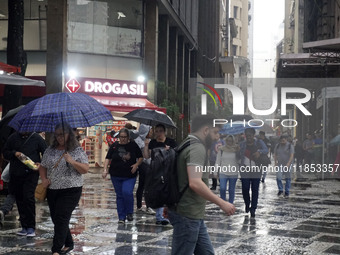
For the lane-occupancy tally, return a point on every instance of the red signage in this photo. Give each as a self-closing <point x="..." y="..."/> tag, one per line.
<point x="73" y="85"/>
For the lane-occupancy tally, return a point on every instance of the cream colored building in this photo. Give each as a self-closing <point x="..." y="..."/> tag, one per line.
<point x="234" y="48"/>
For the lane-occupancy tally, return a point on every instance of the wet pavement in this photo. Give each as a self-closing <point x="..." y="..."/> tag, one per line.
<point x="308" y="222"/>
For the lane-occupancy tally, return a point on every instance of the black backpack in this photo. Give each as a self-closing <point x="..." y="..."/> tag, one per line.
<point x="161" y="186"/>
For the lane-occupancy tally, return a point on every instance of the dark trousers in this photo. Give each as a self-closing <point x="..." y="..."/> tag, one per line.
<point x="142" y="171"/>
<point x="214" y="183"/>
<point x="254" y="184"/>
<point x="23" y="188"/>
<point x="62" y="202"/>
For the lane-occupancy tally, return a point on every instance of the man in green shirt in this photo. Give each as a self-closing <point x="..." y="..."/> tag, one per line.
<point x="190" y="232"/>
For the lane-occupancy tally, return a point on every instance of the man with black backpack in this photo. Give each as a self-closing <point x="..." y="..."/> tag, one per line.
<point x="187" y="217"/>
<point x="160" y="141"/>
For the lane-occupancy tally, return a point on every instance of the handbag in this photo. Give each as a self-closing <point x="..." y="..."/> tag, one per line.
<point x="40" y="192"/>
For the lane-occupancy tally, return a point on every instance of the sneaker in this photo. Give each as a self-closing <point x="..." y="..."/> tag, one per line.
<point x="213" y="188"/>
<point x="2" y="217"/>
<point x="150" y="211"/>
<point x="140" y="210"/>
<point x="121" y="222"/>
<point x="163" y="222"/>
<point x="129" y="217"/>
<point x="23" y="232"/>
<point x="286" y="195"/>
<point x="280" y="193"/>
<point x="30" y="232"/>
<point x="262" y="180"/>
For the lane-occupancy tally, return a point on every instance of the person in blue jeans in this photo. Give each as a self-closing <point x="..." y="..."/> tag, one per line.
<point x="227" y="166"/>
<point x="125" y="157"/>
<point x="250" y="169"/>
<point x="187" y="217"/>
<point x="284" y="156"/>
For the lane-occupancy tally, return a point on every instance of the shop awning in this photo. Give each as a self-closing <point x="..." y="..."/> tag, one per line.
<point x="126" y="104"/>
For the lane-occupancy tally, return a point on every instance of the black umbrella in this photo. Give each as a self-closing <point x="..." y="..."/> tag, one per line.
<point x="12" y="112"/>
<point x="150" y="117"/>
<point x="5" y="130"/>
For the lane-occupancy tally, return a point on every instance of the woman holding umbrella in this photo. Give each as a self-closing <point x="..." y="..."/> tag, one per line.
<point x="125" y="157"/>
<point x="61" y="170"/>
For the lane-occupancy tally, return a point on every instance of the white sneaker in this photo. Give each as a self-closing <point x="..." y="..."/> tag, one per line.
<point x="140" y="210"/>
<point x="150" y="211"/>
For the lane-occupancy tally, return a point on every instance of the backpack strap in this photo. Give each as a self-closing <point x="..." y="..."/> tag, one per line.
<point x="179" y="150"/>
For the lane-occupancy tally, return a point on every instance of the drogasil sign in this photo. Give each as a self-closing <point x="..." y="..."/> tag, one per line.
<point x="105" y="87"/>
<point x="116" y="88"/>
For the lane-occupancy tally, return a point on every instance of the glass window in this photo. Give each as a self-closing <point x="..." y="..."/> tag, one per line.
<point x="235" y="12"/>
<point x="105" y="27"/>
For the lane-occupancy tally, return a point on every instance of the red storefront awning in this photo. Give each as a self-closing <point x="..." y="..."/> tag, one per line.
<point x="125" y="104"/>
<point x="9" y="68"/>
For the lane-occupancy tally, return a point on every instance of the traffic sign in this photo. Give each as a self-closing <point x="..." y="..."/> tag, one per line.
<point x="72" y="85"/>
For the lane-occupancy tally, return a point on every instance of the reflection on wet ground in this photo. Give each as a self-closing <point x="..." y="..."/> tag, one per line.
<point x="306" y="223"/>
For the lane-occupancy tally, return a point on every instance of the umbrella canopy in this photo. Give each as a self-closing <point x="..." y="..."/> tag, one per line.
<point x="43" y="114"/>
<point x="11" y="113"/>
<point x="12" y="79"/>
<point x="237" y="127"/>
<point x="335" y="140"/>
<point x="5" y="130"/>
<point x="150" y="117"/>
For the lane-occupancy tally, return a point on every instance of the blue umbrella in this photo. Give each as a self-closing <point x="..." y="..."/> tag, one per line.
<point x="43" y="114"/>
<point x="237" y="127"/>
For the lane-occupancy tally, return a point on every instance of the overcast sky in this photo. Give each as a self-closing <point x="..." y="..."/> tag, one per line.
<point x="268" y="31"/>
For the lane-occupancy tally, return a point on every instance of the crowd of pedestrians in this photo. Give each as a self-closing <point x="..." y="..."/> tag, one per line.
<point x="64" y="162"/>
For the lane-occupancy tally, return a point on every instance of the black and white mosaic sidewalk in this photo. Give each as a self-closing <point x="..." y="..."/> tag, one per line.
<point x="308" y="222"/>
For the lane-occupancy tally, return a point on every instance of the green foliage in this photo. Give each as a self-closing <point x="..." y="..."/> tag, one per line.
<point x="172" y="109"/>
<point x="169" y="101"/>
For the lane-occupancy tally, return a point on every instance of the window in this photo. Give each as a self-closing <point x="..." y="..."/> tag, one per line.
<point x="235" y="12"/>
<point x="105" y="27"/>
<point x="234" y="50"/>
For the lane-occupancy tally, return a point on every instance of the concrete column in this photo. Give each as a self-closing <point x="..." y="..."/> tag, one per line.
<point x="173" y="41"/>
<point x="180" y="84"/>
<point x="163" y="58"/>
<point x="186" y="99"/>
<point x="193" y="108"/>
<point x="56" y="57"/>
<point x="151" y="47"/>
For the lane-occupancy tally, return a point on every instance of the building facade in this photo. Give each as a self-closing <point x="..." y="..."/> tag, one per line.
<point x="70" y="42"/>
<point x="234" y="50"/>
<point x="309" y="58"/>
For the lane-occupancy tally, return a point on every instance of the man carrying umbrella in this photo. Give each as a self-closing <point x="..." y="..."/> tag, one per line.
<point x="23" y="179"/>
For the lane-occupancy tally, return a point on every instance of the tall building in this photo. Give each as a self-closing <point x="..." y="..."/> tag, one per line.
<point x="234" y="52"/>
<point x="309" y="58"/>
